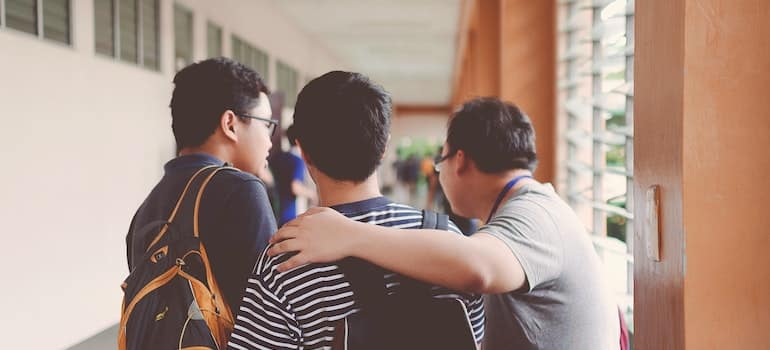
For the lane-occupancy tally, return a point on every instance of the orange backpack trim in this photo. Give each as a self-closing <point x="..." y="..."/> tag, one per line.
<point x="215" y="310"/>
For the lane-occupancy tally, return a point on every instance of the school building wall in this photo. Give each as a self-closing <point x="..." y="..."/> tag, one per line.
<point x="85" y="137"/>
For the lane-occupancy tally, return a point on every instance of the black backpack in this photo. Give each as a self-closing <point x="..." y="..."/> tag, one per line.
<point x="412" y="319"/>
<point x="171" y="299"/>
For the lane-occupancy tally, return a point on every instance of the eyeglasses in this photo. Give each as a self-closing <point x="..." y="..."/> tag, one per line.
<point x="271" y="124"/>
<point x="439" y="158"/>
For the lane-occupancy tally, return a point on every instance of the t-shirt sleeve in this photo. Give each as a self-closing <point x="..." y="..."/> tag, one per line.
<point x="530" y="233"/>
<point x="263" y="320"/>
<point x="247" y="225"/>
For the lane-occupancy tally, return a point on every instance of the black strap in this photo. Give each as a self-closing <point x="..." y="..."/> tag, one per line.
<point x="367" y="281"/>
<point x="430" y="221"/>
<point x="434" y="221"/>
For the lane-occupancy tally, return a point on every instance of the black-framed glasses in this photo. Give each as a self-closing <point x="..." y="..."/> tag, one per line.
<point x="439" y="158"/>
<point x="271" y="124"/>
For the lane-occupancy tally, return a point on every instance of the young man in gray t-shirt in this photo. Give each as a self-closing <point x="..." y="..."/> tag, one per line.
<point x="532" y="257"/>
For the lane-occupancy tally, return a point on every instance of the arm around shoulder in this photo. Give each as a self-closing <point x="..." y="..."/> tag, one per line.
<point x="480" y="263"/>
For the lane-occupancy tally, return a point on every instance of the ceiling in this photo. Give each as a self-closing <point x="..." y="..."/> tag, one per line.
<point x="407" y="46"/>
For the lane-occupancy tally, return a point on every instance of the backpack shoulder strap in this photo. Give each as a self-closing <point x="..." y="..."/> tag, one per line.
<point x="366" y="281"/>
<point x="185" y="212"/>
<point x="430" y="221"/>
<point x="435" y="221"/>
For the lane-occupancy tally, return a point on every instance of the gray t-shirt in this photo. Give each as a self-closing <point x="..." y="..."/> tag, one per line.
<point x="566" y="303"/>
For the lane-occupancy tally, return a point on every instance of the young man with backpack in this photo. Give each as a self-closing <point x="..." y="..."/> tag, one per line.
<point x="342" y="126"/>
<point x="532" y="257"/>
<point x="221" y="120"/>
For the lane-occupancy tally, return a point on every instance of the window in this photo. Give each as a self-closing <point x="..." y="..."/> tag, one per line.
<point x="286" y="82"/>
<point x="183" y="37"/>
<point x="49" y="19"/>
<point x="596" y="103"/>
<point x="150" y="29"/>
<point x="250" y="56"/>
<point x="214" y="40"/>
<point x="128" y="30"/>
<point x="104" y="27"/>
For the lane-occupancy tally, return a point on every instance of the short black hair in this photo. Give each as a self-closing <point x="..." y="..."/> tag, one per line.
<point x="342" y="121"/>
<point x="206" y="89"/>
<point x="497" y="135"/>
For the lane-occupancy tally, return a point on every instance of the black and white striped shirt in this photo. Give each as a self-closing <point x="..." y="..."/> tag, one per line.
<point x="298" y="309"/>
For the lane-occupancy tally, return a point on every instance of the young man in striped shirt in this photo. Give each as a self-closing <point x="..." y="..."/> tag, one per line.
<point x="342" y="123"/>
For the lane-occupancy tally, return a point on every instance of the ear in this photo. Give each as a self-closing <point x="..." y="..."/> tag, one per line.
<point x="387" y="146"/>
<point x="227" y="124"/>
<point x="303" y="154"/>
<point x="463" y="163"/>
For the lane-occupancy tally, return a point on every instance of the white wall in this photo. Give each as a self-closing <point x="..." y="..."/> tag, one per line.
<point x="84" y="138"/>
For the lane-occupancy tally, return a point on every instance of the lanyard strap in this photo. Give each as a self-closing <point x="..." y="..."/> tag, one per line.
<point x="505" y="190"/>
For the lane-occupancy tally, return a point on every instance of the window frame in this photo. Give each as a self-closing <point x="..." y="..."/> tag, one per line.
<point x="139" y="32"/>
<point x="281" y="68"/>
<point x="40" y="23"/>
<point x="255" y="55"/>
<point x="220" y="51"/>
<point x="585" y="135"/>
<point x="187" y="11"/>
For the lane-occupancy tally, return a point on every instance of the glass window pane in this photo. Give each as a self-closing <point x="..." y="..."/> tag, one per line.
<point x="128" y="31"/>
<point x="183" y="38"/>
<point x="214" y="40"/>
<point x="259" y="62"/>
<point x="248" y="53"/>
<point x="237" y="50"/>
<point x="56" y="20"/>
<point x="286" y="82"/>
<point x="250" y="56"/>
<point x="104" y="26"/>
<point x="21" y="15"/>
<point x="150" y="33"/>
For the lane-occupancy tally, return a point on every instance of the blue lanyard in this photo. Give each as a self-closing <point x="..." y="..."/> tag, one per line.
<point x="505" y="190"/>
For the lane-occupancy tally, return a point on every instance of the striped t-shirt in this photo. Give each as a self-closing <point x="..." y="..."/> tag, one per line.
<point x="298" y="309"/>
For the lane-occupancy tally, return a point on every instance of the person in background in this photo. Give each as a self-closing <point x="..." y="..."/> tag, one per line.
<point x="289" y="171"/>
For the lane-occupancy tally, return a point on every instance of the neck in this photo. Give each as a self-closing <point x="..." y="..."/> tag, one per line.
<point x="218" y="152"/>
<point x="334" y="192"/>
<point x="490" y="185"/>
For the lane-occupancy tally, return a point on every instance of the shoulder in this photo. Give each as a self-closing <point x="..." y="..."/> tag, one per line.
<point x="302" y="284"/>
<point x="235" y="176"/>
<point x="231" y="181"/>
<point x="399" y="216"/>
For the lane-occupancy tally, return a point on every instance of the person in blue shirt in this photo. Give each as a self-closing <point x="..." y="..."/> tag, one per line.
<point x="220" y="115"/>
<point x="289" y="173"/>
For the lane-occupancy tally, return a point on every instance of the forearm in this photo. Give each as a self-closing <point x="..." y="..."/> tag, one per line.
<point x="433" y="256"/>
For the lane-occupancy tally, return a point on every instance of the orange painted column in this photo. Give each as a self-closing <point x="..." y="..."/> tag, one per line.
<point x="701" y="133"/>
<point x="528" y="71"/>
<point x="658" y="160"/>
<point x="508" y="49"/>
